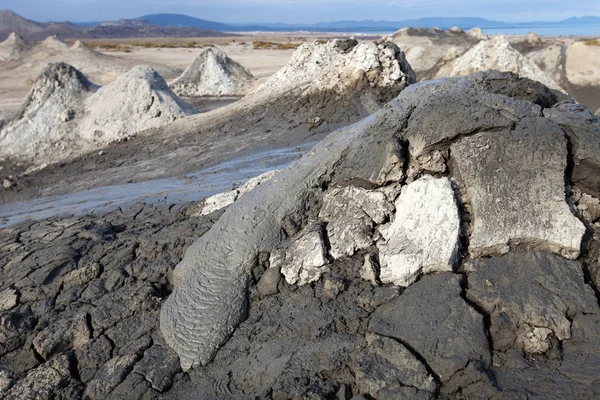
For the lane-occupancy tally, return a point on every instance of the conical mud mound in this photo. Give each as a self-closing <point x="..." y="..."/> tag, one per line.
<point x="54" y="45"/>
<point x="81" y="48"/>
<point x="498" y="54"/>
<point x="49" y="113"/>
<point x="13" y="48"/>
<point x="139" y="99"/>
<point x="341" y="67"/>
<point x="427" y="48"/>
<point x="213" y="74"/>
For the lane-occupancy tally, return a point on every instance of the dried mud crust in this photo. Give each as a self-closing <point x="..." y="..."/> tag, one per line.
<point x="80" y="298"/>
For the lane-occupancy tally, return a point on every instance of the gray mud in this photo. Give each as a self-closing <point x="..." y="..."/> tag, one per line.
<point x="80" y="297"/>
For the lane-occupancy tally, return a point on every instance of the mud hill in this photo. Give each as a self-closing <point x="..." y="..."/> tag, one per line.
<point x="303" y="287"/>
<point x="139" y="99"/>
<point x="54" y="44"/>
<point x="13" y="48"/>
<point x="498" y="54"/>
<point x="213" y="74"/>
<point x="425" y="48"/>
<point x="46" y="118"/>
<point x="63" y="115"/>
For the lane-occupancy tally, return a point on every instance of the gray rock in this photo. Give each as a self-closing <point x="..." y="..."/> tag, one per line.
<point x="589" y="207"/>
<point x="82" y="276"/>
<point x="386" y="365"/>
<point x="267" y="285"/>
<point x="581" y="353"/>
<point x="433" y="320"/>
<point x="67" y="333"/>
<point x="526" y="293"/>
<point x="109" y="376"/>
<point x="8" y="299"/>
<point x="158" y="366"/>
<point x="44" y="382"/>
<point x="530" y="214"/>
<point x="92" y="356"/>
<point x="6" y="380"/>
<point x="423" y="236"/>
<point x="350" y="213"/>
<point x="136" y="347"/>
<point x="305" y="258"/>
<point x="370" y="270"/>
<point x="134" y="387"/>
<point x="225" y="199"/>
<point x="583" y="130"/>
<point x="332" y="287"/>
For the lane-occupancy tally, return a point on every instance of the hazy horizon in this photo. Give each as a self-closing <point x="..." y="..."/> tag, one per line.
<point x="303" y="11"/>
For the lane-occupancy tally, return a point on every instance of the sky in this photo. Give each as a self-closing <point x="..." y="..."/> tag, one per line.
<point x="302" y="11"/>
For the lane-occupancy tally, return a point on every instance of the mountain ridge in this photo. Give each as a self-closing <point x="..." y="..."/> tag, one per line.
<point x="181" y="25"/>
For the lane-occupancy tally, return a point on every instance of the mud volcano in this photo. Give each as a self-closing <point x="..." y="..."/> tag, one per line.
<point x="139" y="99"/>
<point x="434" y="248"/>
<point x="213" y="74"/>
<point x="49" y="114"/>
<point x="13" y="48"/>
<point x="498" y="54"/>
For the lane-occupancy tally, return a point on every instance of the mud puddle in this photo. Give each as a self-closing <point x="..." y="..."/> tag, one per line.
<point x="193" y="187"/>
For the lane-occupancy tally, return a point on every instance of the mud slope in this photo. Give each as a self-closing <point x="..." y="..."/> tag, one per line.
<point x="12" y="48"/>
<point x="583" y="72"/>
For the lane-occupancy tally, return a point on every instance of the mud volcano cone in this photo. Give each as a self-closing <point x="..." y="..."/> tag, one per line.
<point x="49" y="113"/>
<point x="13" y="47"/>
<point x="54" y="44"/>
<point x="213" y="74"/>
<point x="139" y="99"/>
<point x="498" y="54"/>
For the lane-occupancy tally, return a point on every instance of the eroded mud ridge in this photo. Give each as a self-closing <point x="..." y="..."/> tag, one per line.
<point x="444" y="247"/>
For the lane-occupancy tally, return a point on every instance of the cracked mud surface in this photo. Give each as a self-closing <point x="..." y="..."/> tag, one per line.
<point x="82" y="297"/>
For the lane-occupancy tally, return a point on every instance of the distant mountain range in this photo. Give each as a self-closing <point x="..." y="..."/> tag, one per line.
<point x="361" y="26"/>
<point x="178" y="25"/>
<point x="32" y="30"/>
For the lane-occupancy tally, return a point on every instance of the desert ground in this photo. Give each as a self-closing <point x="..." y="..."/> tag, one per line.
<point x="416" y="216"/>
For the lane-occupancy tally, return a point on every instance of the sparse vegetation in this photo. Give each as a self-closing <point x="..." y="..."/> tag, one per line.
<point x="127" y="48"/>
<point x="592" y="42"/>
<point x="260" y="45"/>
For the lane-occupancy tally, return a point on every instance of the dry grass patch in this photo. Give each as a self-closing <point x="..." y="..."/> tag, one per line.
<point x="592" y="42"/>
<point x="260" y="45"/>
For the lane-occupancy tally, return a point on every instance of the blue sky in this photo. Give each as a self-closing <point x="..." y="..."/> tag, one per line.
<point x="303" y="11"/>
